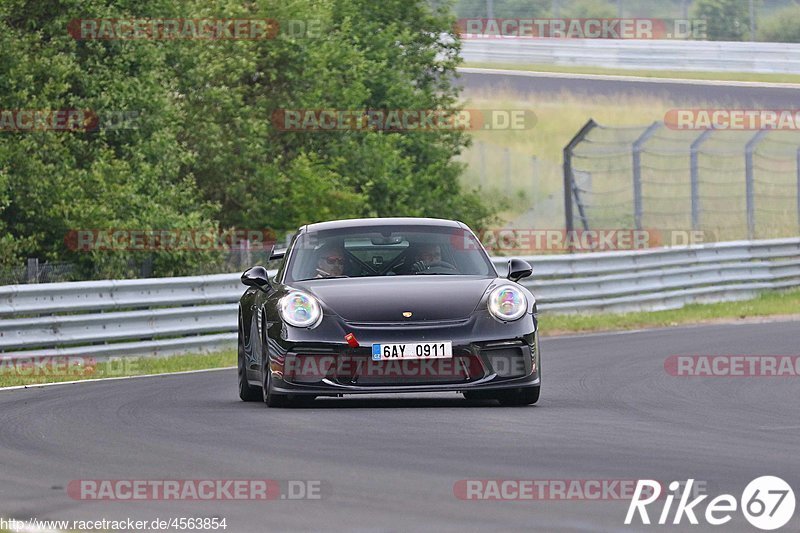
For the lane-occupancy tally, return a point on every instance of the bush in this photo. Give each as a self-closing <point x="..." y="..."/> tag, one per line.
<point x="781" y="27"/>
<point x="202" y="153"/>
<point x="727" y="20"/>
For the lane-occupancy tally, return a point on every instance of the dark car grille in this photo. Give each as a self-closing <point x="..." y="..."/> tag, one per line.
<point x="361" y="370"/>
<point x="459" y="369"/>
<point x="509" y="362"/>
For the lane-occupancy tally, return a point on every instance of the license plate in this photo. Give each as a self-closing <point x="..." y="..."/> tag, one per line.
<point x="412" y="350"/>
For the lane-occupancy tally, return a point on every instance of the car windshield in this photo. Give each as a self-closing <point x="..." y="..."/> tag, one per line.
<point x="387" y="251"/>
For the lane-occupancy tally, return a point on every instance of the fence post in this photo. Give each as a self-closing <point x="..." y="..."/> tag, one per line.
<point x="569" y="177"/>
<point x="748" y="182"/>
<point x="32" y="274"/>
<point x="146" y="270"/>
<point x="637" y="172"/>
<point x="695" y="178"/>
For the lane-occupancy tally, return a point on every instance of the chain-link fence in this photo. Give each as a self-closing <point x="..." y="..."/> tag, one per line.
<point x="728" y="184"/>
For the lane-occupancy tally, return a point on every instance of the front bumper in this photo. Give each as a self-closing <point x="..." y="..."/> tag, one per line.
<point x="487" y="355"/>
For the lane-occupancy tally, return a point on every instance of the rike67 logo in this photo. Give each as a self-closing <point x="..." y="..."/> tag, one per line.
<point x="768" y="503"/>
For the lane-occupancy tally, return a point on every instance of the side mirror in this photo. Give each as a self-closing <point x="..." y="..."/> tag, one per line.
<point x="277" y="254"/>
<point x="518" y="269"/>
<point x="256" y="277"/>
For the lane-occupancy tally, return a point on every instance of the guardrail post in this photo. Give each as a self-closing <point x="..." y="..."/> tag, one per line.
<point x="32" y="274"/>
<point x="695" y="177"/>
<point x="569" y="177"/>
<point x="637" y="172"/>
<point x="748" y="182"/>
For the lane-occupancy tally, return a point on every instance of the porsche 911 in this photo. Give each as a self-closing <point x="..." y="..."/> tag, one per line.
<point x="387" y="305"/>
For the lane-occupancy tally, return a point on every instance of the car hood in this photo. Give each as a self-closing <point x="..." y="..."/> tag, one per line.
<point x="385" y="299"/>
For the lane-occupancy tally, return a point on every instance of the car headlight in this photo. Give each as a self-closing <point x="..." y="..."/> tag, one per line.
<point x="300" y="309"/>
<point x="507" y="303"/>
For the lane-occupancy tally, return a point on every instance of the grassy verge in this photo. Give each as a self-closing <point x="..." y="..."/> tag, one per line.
<point x="767" y="304"/>
<point x="60" y="369"/>
<point x="679" y="74"/>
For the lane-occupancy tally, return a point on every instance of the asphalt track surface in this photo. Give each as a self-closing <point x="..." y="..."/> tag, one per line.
<point x="609" y="411"/>
<point x="743" y="95"/>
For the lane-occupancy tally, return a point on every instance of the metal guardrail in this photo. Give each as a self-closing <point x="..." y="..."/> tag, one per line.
<point x="193" y="314"/>
<point x="712" y="56"/>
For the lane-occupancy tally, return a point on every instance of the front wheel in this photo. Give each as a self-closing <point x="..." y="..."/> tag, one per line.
<point x="247" y="392"/>
<point x="526" y="396"/>
<point x="271" y="398"/>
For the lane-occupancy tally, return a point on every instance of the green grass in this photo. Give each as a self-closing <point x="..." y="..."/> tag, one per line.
<point x="767" y="304"/>
<point x="114" y="367"/>
<point x="714" y="76"/>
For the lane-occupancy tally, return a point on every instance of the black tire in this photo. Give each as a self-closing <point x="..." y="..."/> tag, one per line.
<point x="526" y="396"/>
<point x="271" y="398"/>
<point x="247" y="392"/>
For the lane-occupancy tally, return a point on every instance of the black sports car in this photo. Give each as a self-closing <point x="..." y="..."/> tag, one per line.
<point x="387" y="305"/>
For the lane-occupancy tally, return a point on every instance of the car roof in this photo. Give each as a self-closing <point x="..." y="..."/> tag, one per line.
<point x="384" y="221"/>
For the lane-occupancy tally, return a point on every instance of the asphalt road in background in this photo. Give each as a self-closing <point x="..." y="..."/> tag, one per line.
<point x="746" y="95"/>
<point x="609" y="411"/>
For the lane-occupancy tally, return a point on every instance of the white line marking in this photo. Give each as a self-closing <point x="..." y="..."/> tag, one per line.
<point x="637" y="79"/>
<point x="78" y="381"/>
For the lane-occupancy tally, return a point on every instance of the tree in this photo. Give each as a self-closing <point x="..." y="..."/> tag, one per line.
<point x="781" y="27"/>
<point x="727" y="20"/>
<point x="202" y="153"/>
<point x="389" y="55"/>
<point x="54" y="182"/>
<point x="589" y="9"/>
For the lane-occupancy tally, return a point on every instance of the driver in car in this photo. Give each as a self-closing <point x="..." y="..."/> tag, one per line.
<point x="330" y="261"/>
<point x="426" y="255"/>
